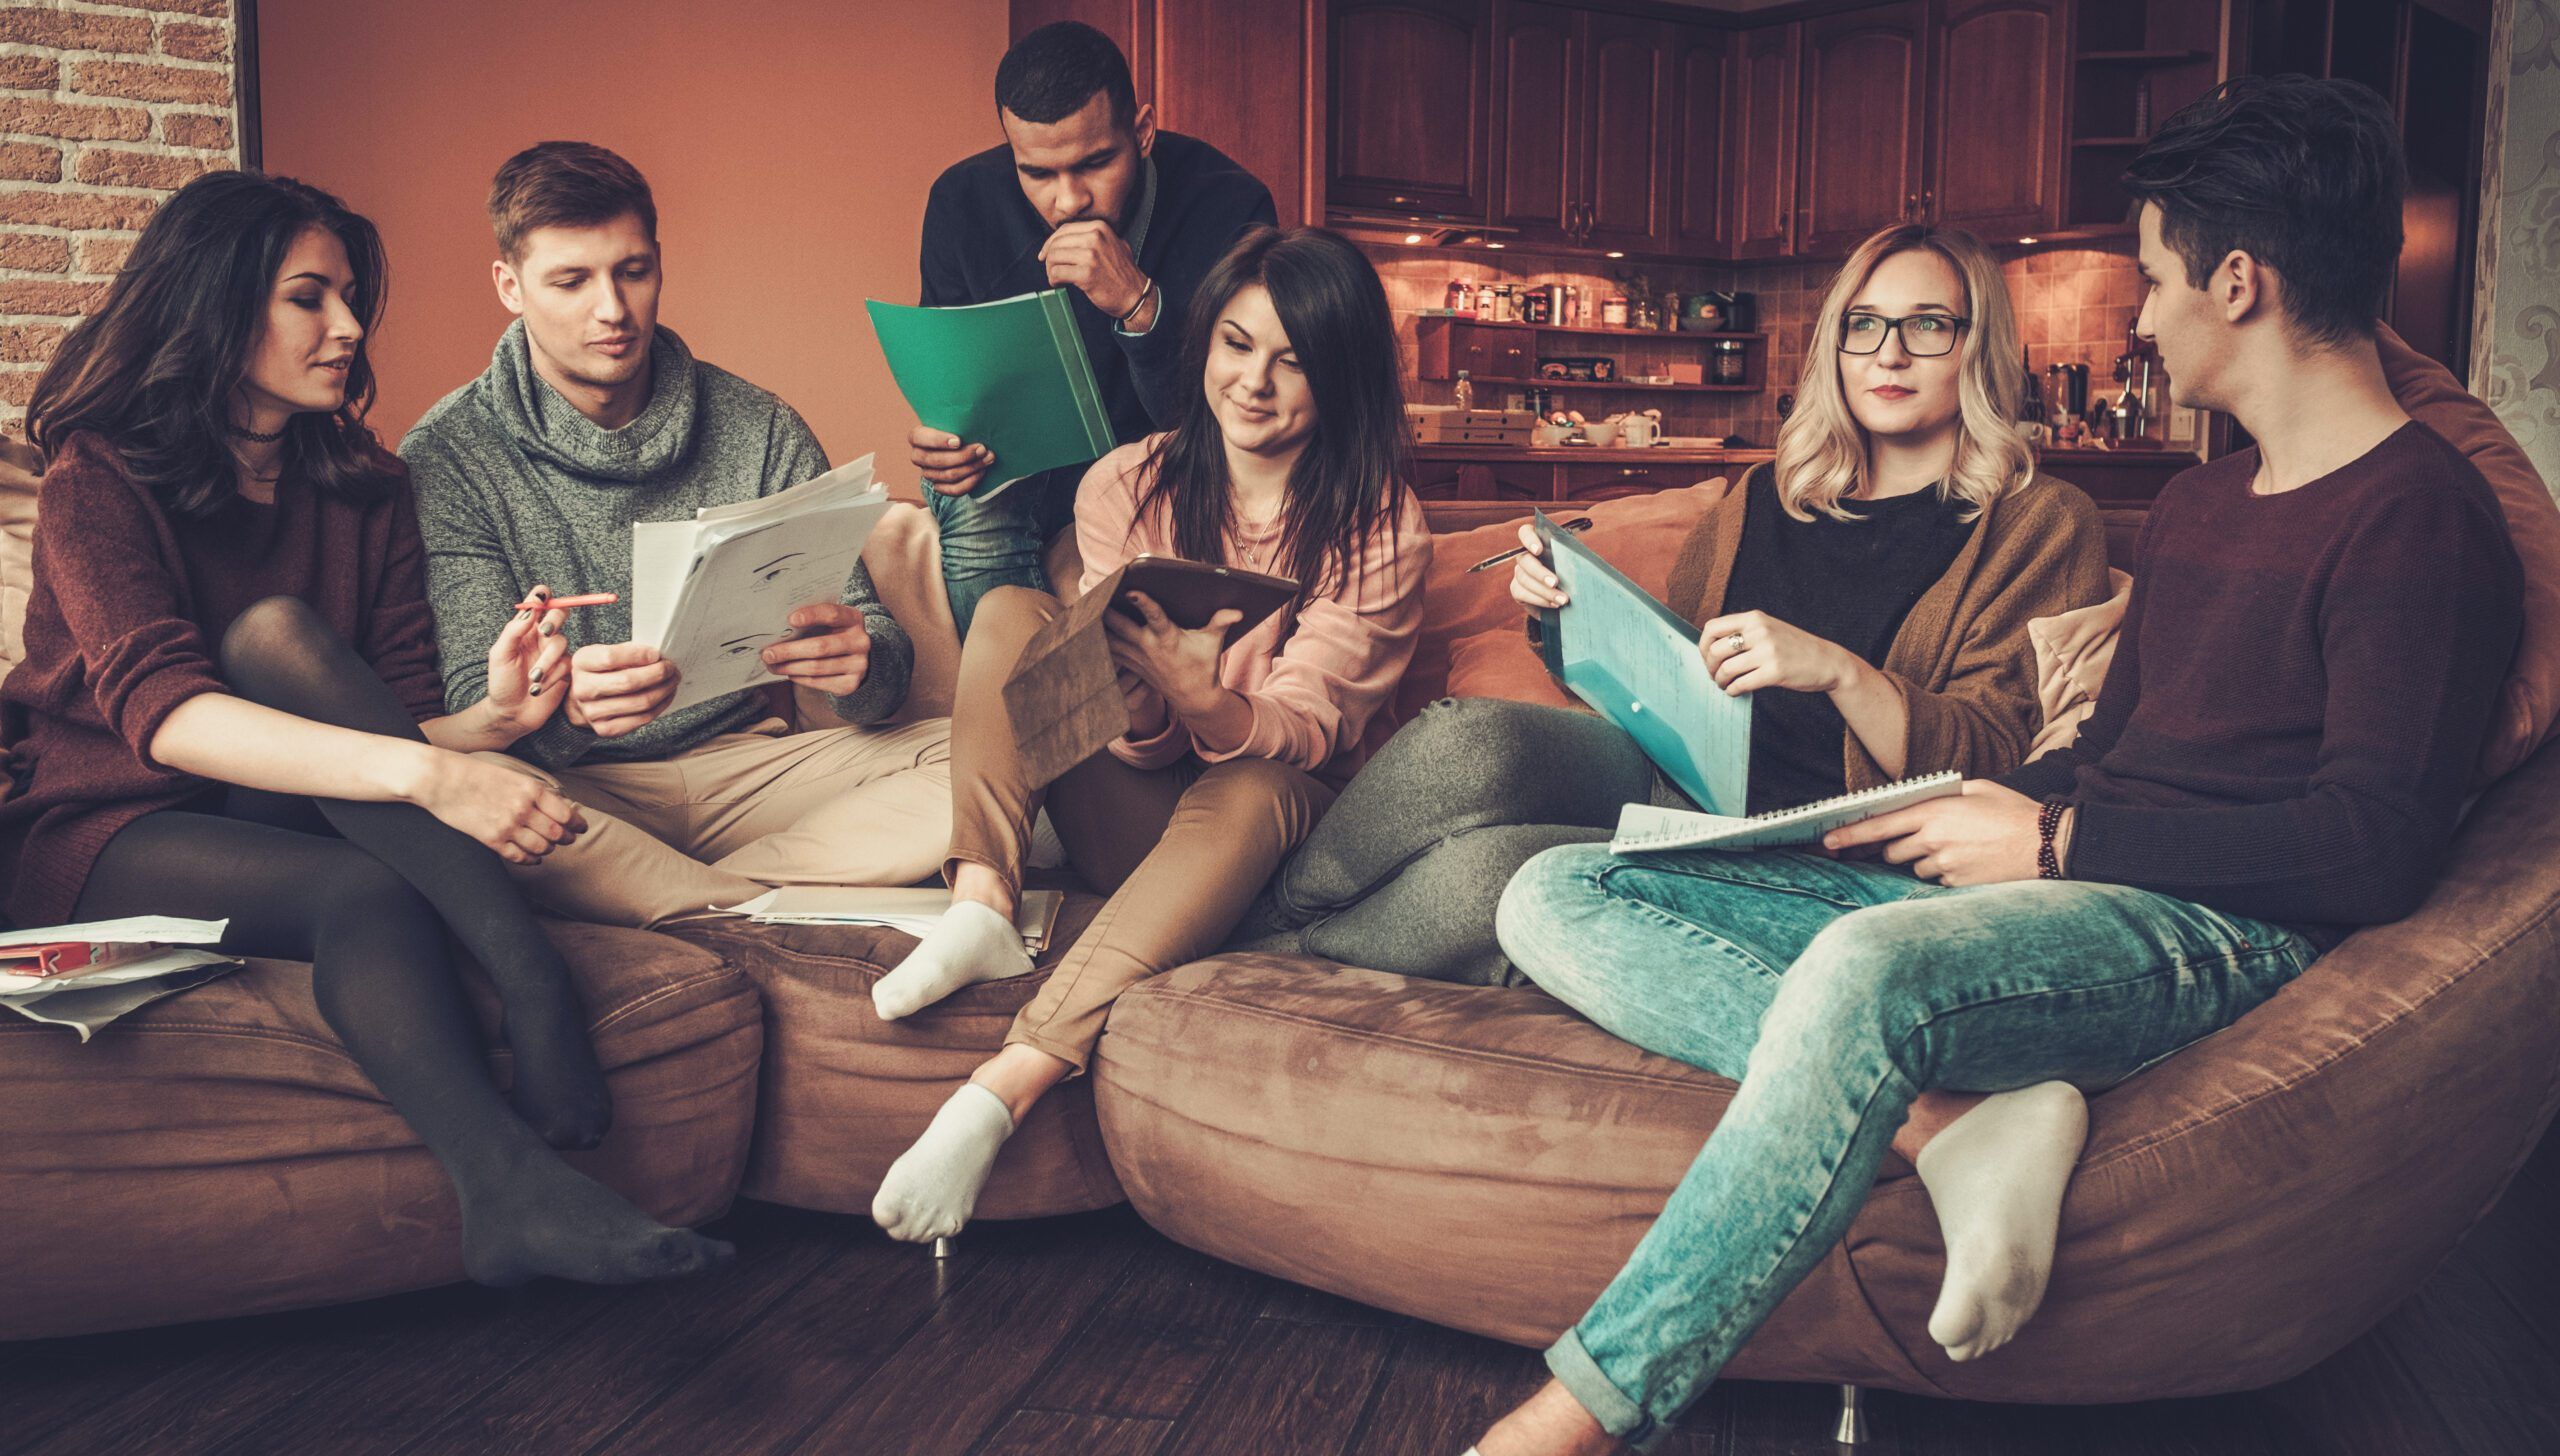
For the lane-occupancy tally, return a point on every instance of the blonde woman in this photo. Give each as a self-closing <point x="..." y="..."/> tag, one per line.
<point x="1871" y="589"/>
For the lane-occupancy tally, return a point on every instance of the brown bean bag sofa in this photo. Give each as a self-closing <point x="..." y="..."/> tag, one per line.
<point x="1486" y="1159"/>
<point x="843" y="1092"/>
<point x="218" y="1153"/>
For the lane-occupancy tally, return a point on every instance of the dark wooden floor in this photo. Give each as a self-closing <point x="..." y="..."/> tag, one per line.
<point x="1095" y="1335"/>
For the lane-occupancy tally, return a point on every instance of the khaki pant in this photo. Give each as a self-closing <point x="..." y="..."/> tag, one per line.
<point x="728" y="820"/>
<point x="1180" y="850"/>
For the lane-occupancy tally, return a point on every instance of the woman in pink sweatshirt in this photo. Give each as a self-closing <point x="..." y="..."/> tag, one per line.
<point x="1287" y="462"/>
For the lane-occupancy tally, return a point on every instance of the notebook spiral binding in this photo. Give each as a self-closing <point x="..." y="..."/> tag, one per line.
<point x="1818" y="809"/>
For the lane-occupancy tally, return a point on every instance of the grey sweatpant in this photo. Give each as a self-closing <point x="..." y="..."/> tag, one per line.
<point x="1403" y="872"/>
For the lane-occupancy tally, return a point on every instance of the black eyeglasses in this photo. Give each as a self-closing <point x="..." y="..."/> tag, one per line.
<point x="1924" y="335"/>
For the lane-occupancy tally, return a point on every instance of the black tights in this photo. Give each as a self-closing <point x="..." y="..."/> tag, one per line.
<point x="369" y="894"/>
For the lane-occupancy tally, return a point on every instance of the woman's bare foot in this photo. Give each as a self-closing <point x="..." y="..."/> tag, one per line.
<point x="1549" y="1423"/>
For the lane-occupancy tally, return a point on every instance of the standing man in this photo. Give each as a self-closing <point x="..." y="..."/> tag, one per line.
<point x="1086" y="195"/>
<point x="592" y="418"/>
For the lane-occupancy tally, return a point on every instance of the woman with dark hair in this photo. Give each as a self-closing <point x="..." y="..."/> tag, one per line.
<point x="1287" y="460"/>
<point x="230" y="708"/>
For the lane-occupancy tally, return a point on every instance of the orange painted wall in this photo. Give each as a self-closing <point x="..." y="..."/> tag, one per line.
<point x="790" y="144"/>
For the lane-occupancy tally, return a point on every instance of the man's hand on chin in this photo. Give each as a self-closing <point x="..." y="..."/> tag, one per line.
<point x="1091" y="257"/>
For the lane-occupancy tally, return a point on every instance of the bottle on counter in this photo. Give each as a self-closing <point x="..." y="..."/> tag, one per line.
<point x="1461" y="296"/>
<point x="2031" y="426"/>
<point x="1484" y="302"/>
<point x="1463" y="392"/>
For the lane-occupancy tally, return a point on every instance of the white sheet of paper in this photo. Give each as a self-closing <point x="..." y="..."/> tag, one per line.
<point x="713" y="592"/>
<point x="914" y="911"/>
<point x="85" y="1007"/>
<point x="131" y="930"/>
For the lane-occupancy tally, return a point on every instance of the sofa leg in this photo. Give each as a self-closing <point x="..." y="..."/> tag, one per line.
<point x="1852" y="1430"/>
<point x="944" y="1248"/>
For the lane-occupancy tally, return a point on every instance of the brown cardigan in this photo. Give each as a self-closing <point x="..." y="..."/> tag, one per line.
<point x="1962" y="660"/>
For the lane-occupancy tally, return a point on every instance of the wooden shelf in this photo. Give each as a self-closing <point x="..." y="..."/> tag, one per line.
<point x="1477" y="323"/>
<point x="1618" y="384"/>
<point x="2140" y="58"/>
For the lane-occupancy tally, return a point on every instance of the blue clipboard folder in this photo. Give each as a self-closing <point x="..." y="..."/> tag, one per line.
<point x="1637" y="662"/>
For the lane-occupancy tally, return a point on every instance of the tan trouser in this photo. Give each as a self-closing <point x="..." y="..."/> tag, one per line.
<point x="1180" y="850"/>
<point x="745" y="812"/>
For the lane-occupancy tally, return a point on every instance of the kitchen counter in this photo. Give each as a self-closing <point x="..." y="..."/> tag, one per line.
<point x="1530" y="473"/>
<point x="1590" y="454"/>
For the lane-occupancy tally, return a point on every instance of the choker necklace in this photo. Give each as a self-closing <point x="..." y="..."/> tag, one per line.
<point x="239" y="433"/>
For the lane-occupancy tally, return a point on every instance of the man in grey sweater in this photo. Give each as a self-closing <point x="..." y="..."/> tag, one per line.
<point x="589" y="420"/>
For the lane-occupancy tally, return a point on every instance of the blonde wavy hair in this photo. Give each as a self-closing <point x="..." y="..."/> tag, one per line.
<point x="1822" y="450"/>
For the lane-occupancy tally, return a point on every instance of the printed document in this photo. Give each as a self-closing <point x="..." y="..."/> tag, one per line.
<point x="712" y="593"/>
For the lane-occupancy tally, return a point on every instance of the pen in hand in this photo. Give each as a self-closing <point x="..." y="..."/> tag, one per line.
<point x="591" y="599"/>
<point x="1578" y="523"/>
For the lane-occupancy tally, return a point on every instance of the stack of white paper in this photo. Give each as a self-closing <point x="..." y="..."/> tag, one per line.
<point x="87" y="1000"/>
<point x="913" y="911"/>
<point x="713" y="592"/>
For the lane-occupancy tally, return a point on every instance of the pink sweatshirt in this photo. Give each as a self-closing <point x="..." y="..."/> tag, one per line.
<point x="1312" y="694"/>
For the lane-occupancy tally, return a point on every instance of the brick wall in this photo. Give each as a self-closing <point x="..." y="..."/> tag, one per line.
<point x="105" y="109"/>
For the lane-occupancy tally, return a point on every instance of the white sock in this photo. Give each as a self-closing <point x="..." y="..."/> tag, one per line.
<point x="971" y="944"/>
<point x="1996" y="1176"/>
<point x="933" y="1187"/>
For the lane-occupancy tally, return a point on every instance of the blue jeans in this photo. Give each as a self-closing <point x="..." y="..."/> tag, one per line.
<point x="1835" y="993"/>
<point x="997" y="542"/>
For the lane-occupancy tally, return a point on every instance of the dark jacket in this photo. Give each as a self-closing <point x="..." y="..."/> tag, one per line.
<point x="982" y="242"/>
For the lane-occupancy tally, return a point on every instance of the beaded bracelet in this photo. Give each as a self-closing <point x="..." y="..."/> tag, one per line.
<point x="2048" y="822"/>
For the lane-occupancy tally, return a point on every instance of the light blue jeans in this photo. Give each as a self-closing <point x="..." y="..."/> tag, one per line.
<point x="998" y="542"/>
<point x="1835" y="993"/>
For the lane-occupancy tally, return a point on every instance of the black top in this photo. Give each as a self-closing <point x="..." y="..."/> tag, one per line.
<point x="2300" y="689"/>
<point x="982" y="241"/>
<point x="1850" y="582"/>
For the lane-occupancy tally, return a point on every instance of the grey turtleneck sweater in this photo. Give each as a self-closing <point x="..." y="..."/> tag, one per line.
<point x="514" y="487"/>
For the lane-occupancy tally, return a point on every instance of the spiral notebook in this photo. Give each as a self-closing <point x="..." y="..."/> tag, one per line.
<point x="1644" y="829"/>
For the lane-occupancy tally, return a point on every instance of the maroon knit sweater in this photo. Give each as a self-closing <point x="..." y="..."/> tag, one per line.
<point x="122" y="626"/>
<point x="2302" y="685"/>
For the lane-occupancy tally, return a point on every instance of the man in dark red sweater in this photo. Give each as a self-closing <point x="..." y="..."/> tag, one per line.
<point x="2318" y="630"/>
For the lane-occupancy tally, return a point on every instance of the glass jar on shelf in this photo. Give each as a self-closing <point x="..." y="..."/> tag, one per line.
<point x="1727" y="362"/>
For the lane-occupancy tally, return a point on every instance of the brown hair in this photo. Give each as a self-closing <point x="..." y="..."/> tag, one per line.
<point x="152" y="371"/>
<point x="565" y="184"/>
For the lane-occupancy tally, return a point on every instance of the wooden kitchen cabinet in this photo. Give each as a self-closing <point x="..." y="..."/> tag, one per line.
<point x="1536" y="120"/>
<point x="1858" y="163"/>
<point x="1584" y="484"/>
<point x="1700" y="64"/>
<point x="1581" y="123"/>
<point x="1995" y="83"/>
<point x="1406" y="84"/>
<point x="1626" y="131"/>
<point x="1760" y="141"/>
<point x="1483" y="480"/>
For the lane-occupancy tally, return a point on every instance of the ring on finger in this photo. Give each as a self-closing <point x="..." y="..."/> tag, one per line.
<point x="1730" y="642"/>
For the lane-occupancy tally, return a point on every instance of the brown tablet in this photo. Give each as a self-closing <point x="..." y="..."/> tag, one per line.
<point x="1191" y="592"/>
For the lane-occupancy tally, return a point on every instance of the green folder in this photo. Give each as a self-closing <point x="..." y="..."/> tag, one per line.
<point x="1010" y="375"/>
<point x="1637" y="661"/>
